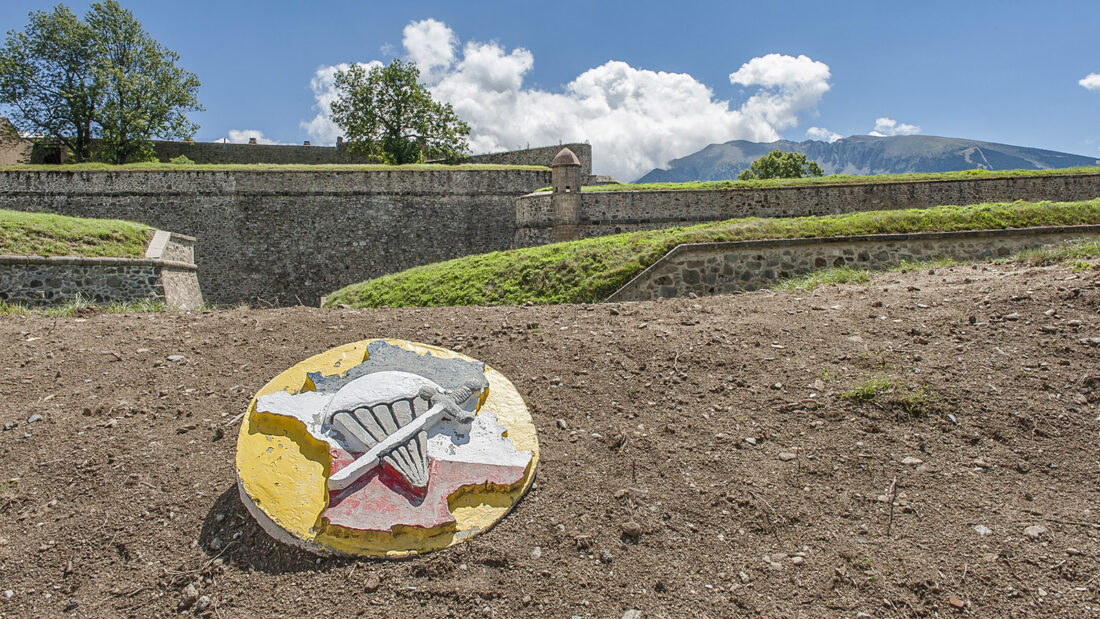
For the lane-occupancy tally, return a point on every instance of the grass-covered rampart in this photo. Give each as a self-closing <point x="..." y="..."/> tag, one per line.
<point x="835" y="179"/>
<point x="46" y="234"/>
<point x="591" y="269"/>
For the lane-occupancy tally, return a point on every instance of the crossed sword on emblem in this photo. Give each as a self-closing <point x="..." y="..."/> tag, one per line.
<point x="444" y="406"/>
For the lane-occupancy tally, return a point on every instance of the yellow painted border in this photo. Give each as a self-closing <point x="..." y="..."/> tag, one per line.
<point x="282" y="469"/>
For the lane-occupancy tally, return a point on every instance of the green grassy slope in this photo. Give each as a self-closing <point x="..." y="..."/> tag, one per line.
<point x="45" y="234"/>
<point x="591" y="269"/>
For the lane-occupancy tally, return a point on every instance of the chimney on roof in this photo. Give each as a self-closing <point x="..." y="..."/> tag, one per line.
<point x="306" y="144"/>
<point x="251" y="140"/>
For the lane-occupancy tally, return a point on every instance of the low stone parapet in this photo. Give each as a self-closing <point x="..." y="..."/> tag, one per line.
<point x="167" y="272"/>
<point x="612" y="212"/>
<point x="738" y="266"/>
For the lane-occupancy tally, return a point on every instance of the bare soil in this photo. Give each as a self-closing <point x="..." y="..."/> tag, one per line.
<point x="648" y="495"/>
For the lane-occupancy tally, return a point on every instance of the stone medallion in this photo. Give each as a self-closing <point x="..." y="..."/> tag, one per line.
<point x="384" y="448"/>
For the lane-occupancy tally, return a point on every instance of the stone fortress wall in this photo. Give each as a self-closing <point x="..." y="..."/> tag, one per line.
<point x="225" y="153"/>
<point x="287" y="237"/>
<point x="167" y="272"/>
<point x="716" y="268"/>
<point x="611" y="212"/>
<point x="542" y="155"/>
<point x="293" y="154"/>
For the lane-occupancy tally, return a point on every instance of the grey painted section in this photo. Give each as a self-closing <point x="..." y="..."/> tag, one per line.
<point x="612" y="212"/>
<point x="283" y="237"/>
<point x="715" y="268"/>
<point x="165" y="273"/>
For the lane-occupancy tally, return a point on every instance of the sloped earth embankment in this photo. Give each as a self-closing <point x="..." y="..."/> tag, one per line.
<point x="965" y="482"/>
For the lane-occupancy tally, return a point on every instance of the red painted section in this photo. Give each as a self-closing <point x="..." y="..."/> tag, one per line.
<point x="381" y="499"/>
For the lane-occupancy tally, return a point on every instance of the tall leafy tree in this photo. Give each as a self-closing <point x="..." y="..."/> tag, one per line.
<point x="47" y="81"/>
<point x="143" y="94"/>
<point x="778" y="164"/>
<point x="388" y="115"/>
<point x="103" y="76"/>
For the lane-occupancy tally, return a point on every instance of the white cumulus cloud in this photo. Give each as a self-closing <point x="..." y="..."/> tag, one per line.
<point x="431" y="45"/>
<point x="241" y="136"/>
<point x="636" y="119"/>
<point x="789" y="86"/>
<point x="1090" y="81"/>
<point x="323" y="84"/>
<point x="822" y="134"/>
<point x="888" y="126"/>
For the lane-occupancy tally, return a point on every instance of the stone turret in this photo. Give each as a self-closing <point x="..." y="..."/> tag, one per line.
<point x="565" y="177"/>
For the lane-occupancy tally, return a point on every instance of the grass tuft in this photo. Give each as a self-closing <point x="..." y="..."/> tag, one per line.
<point x="825" y="277"/>
<point x="82" y="306"/>
<point x="1076" y="253"/>
<point x="896" y="397"/>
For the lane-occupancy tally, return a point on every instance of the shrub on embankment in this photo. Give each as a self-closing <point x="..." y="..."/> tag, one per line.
<point x="46" y="234"/>
<point x="589" y="270"/>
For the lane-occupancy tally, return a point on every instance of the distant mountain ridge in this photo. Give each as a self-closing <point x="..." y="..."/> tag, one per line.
<point x="865" y="154"/>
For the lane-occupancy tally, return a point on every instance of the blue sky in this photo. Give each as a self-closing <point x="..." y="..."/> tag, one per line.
<point x="649" y="81"/>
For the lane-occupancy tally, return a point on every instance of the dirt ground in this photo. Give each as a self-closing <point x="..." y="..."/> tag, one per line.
<point x="970" y="484"/>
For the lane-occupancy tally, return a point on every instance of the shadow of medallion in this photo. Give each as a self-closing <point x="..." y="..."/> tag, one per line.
<point x="229" y="532"/>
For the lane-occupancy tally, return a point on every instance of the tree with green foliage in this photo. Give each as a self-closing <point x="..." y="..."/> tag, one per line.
<point x="778" y="164"/>
<point x="47" y="80"/>
<point x="143" y="94"/>
<point x="388" y="115"/>
<point x="100" y="77"/>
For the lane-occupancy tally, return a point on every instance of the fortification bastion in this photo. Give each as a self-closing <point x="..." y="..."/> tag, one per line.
<point x="287" y="237"/>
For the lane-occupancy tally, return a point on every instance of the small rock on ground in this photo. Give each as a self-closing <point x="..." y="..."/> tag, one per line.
<point x="188" y="597"/>
<point x="203" y="604"/>
<point x="632" y="529"/>
<point x="1036" y="531"/>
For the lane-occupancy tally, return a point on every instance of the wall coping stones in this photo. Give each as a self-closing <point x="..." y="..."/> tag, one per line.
<point x="98" y="261"/>
<point x="622" y="292"/>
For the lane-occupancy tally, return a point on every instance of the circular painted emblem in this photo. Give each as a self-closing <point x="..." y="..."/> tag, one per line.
<point x="384" y="448"/>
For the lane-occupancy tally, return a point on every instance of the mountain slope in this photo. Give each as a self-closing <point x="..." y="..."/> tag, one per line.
<point x="865" y="154"/>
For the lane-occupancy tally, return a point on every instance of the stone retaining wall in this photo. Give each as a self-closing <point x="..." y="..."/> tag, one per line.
<point x="612" y="212"/>
<point x="165" y="273"/>
<point x="715" y="268"/>
<point x="284" y="237"/>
